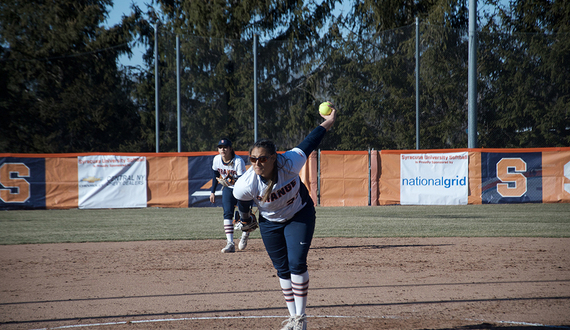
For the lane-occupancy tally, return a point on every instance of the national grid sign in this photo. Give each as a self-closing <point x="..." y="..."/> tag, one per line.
<point x="434" y="179"/>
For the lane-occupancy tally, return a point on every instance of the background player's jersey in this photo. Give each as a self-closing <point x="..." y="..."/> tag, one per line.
<point x="285" y="199"/>
<point x="233" y="169"/>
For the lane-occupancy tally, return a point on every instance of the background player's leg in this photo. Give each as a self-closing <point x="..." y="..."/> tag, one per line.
<point x="229" y="230"/>
<point x="243" y="240"/>
<point x="228" y="220"/>
<point x="244" y="235"/>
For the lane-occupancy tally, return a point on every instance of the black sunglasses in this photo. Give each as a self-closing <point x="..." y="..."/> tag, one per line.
<point x="261" y="159"/>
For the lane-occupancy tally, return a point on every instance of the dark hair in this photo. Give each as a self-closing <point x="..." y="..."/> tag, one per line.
<point x="265" y="144"/>
<point x="269" y="146"/>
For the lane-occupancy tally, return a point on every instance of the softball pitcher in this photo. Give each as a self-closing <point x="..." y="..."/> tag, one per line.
<point x="227" y="168"/>
<point x="286" y="213"/>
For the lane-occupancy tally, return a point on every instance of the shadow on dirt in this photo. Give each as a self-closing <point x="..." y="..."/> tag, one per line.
<point x="375" y="246"/>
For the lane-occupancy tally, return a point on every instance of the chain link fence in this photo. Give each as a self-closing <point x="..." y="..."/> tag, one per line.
<point x="522" y="99"/>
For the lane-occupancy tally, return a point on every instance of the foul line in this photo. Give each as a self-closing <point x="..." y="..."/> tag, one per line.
<point x="523" y="323"/>
<point x="186" y="319"/>
<point x="276" y="316"/>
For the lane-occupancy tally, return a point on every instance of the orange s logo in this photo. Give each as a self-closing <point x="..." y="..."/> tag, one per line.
<point x="510" y="170"/>
<point x="21" y="185"/>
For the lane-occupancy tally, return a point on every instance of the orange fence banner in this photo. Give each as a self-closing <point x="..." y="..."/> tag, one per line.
<point x="475" y="186"/>
<point x="333" y="178"/>
<point x="168" y="181"/>
<point x="344" y="178"/>
<point x="556" y="176"/>
<point x="389" y="182"/>
<point x="62" y="189"/>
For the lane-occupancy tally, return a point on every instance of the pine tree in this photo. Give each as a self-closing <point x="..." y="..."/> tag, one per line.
<point x="526" y="65"/>
<point x="217" y="75"/>
<point x="61" y="89"/>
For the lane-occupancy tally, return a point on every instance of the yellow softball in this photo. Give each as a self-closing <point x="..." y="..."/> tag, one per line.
<point x="325" y="108"/>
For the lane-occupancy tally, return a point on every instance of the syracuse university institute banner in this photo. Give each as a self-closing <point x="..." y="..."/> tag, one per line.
<point x="112" y="181"/>
<point x="434" y="179"/>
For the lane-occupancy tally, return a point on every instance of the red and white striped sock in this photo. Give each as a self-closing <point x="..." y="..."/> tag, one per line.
<point x="288" y="294"/>
<point x="300" y="285"/>
<point x="229" y="229"/>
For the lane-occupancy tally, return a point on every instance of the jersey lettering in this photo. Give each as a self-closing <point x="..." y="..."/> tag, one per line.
<point x="510" y="172"/>
<point x="18" y="188"/>
<point x="280" y="193"/>
<point x="284" y="190"/>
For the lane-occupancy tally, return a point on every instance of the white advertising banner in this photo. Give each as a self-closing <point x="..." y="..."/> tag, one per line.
<point x="434" y="179"/>
<point x="112" y="181"/>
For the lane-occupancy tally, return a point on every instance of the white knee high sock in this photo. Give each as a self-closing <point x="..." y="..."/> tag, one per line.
<point x="288" y="294"/>
<point x="300" y="285"/>
<point x="229" y="229"/>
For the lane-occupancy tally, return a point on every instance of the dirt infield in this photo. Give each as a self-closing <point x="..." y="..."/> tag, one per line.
<point x="376" y="283"/>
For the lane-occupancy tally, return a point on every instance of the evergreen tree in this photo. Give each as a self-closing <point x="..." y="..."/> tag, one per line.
<point x="365" y="63"/>
<point x="217" y="70"/>
<point x="61" y="89"/>
<point x="526" y="65"/>
<point x="375" y="75"/>
<point x="444" y="82"/>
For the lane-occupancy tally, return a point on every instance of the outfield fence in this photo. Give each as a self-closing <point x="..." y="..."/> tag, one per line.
<point x="334" y="178"/>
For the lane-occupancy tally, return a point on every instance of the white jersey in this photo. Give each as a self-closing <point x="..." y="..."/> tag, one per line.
<point x="285" y="199"/>
<point x="233" y="169"/>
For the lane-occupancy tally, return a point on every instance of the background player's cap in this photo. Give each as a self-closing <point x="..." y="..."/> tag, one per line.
<point x="224" y="143"/>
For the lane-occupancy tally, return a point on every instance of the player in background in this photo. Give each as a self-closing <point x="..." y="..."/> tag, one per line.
<point x="227" y="168"/>
<point x="286" y="213"/>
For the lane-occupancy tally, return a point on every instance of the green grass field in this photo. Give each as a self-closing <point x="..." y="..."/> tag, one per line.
<point x="507" y="220"/>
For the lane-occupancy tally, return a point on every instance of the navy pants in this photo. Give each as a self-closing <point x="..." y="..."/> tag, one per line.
<point x="228" y="203"/>
<point x="288" y="243"/>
